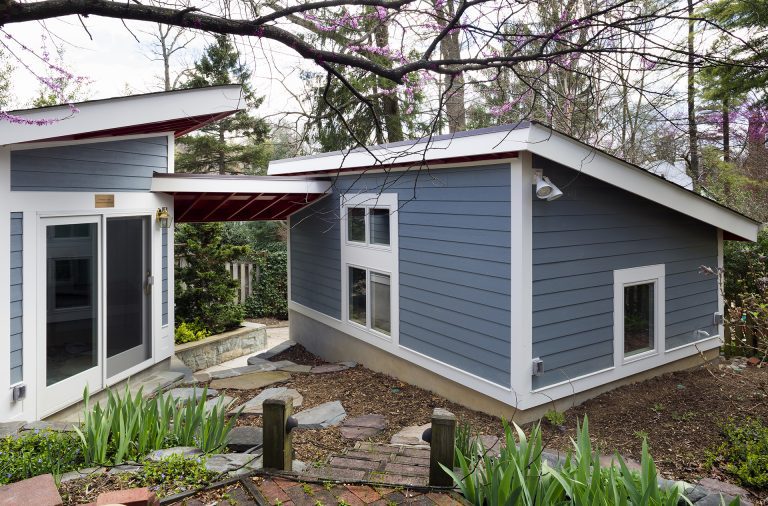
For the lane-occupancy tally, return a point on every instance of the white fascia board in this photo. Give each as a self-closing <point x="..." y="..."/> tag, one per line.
<point x="592" y="162"/>
<point x="417" y="153"/>
<point x="297" y="186"/>
<point x="123" y="112"/>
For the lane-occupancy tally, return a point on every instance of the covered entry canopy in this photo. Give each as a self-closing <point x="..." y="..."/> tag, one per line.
<point x="208" y="197"/>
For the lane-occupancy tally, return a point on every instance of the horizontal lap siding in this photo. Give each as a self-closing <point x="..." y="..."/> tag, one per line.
<point x="579" y="240"/>
<point x="125" y="165"/>
<point x="454" y="227"/>
<point x="316" y="257"/>
<point x="17" y="341"/>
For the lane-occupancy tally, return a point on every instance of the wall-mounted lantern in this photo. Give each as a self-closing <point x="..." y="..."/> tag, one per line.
<point x="163" y="217"/>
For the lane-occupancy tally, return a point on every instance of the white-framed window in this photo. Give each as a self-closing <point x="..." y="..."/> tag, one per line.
<point x="369" y="262"/>
<point x="638" y="313"/>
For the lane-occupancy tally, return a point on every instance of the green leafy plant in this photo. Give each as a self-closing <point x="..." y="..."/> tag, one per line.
<point x="555" y="418"/>
<point x="172" y="474"/>
<point x="270" y="296"/>
<point x="520" y="476"/>
<point x="466" y="441"/>
<point x="744" y="453"/>
<point x="39" y="452"/>
<point x="129" y="426"/>
<point x="187" y="332"/>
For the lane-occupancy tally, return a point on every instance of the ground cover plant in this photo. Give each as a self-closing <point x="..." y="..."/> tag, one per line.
<point x="521" y="476"/>
<point x="129" y="426"/>
<point x="39" y="452"/>
<point x="744" y="453"/>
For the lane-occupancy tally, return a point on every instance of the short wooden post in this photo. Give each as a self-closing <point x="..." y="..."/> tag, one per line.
<point x="442" y="447"/>
<point x="278" y="442"/>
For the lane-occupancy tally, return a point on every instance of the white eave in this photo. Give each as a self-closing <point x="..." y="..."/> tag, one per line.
<point x="484" y="145"/>
<point x="114" y="115"/>
<point x="209" y="183"/>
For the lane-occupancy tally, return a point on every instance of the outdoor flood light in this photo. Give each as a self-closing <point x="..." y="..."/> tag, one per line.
<point x="163" y="217"/>
<point x="545" y="189"/>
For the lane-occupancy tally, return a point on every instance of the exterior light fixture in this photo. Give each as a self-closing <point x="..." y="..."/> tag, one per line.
<point x="163" y="217"/>
<point x="545" y="189"/>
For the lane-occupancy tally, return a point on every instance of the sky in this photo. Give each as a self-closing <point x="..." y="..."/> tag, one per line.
<point x="117" y="64"/>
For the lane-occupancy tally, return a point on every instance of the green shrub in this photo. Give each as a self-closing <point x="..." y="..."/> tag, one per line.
<point x="270" y="295"/>
<point x="205" y="290"/>
<point x="744" y="453"/>
<point x="130" y="426"/>
<point x="520" y="476"/>
<point x="39" y="452"/>
<point x="172" y="475"/>
<point x="187" y="332"/>
<point x="555" y="417"/>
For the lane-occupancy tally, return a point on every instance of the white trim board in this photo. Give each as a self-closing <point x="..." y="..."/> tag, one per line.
<point x="185" y="184"/>
<point x="121" y="112"/>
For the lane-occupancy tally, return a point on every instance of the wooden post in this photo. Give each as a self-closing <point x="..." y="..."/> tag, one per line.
<point x="442" y="447"/>
<point x="278" y="442"/>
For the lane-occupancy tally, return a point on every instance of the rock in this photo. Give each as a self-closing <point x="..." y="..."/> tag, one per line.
<point x="410" y="435"/>
<point x="302" y="369"/>
<point x="124" y="469"/>
<point x="363" y="427"/>
<point x="236" y="463"/>
<point x="256" y="360"/>
<point x="255" y="405"/>
<point x="298" y="466"/>
<point x="610" y="460"/>
<point x="285" y="345"/>
<point x="82" y="473"/>
<point x="241" y="439"/>
<point x="553" y="458"/>
<point x="10" y="428"/>
<point x="187" y="393"/>
<point x="201" y="376"/>
<point x="716" y="500"/>
<point x="326" y="368"/>
<point x="348" y="364"/>
<point x="322" y="416"/>
<point x="251" y="381"/>
<point x="184" y="451"/>
<point x="54" y="426"/>
<point x="695" y="493"/>
<point x="721" y="487"/>
<point x="226" y="402"/>
<point x="40" y="491"/>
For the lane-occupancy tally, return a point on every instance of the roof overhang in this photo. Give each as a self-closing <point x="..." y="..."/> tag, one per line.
<point x="506" y="141"/>
<point x="180" y="112"/>
<point x="206" y="197"/>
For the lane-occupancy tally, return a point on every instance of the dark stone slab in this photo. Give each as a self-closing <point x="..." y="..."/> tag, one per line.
<point x="241" y="439"/>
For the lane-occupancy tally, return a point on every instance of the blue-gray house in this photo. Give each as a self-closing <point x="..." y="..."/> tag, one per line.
<point x="505" y="268"/>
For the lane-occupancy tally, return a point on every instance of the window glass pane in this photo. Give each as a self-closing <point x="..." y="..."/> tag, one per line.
<point x="356" y="224"/>
<point x="379" y="219"/>
<point x="357" y="296"/>
<point x="638" y="319"/>
<point x="380" y="313"/>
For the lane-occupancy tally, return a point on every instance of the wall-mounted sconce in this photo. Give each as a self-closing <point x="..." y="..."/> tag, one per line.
<point x="545" y="189"/>
<point x="163" y="217"/>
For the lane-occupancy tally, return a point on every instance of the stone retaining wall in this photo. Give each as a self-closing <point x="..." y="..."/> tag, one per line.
<point x="220" y="348"/>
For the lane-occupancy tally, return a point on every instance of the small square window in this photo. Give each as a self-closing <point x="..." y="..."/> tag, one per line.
<point x="639" y="319"/>
<point x="356" y="224"/>
<point x="379" y="221"/>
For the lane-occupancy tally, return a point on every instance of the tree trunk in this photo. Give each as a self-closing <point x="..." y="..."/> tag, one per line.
<point x="450" y="48"/>
<point x="390" y="106"/>
<point x="693" y="135"/>
<point x="726" y="129"/>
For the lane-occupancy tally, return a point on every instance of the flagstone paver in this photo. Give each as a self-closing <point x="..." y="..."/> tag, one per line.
<point x="186" y="393"/>
<point x="226" y="403"/>
<point x="277" y="349"/>
<point x="251" y="381"/>
<point x="297" y="368"/>
<point x="363" y="427"/>
<point x="410" y="435"/>
<point x="321" y="416"/>
<point x="327" y="368"/>
<point x="185" y="451"/>
<point x="244" y="438"/>
<point x="256" y="405"/>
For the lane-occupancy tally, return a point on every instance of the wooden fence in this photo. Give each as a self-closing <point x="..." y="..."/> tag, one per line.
<point x="245" y="273"/>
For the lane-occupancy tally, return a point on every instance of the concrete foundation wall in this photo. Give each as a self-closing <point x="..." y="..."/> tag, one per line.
<point x="333" y="345"/>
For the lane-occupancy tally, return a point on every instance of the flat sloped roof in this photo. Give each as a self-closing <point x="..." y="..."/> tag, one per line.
<point x="506" y="142"/>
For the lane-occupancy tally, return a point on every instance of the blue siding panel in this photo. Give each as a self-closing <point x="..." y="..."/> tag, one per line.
<point x="16" y="336"/>
<point x="455" y="273"/>
<point x="164" y="274"/>
<point x="579" y="240"/>
<point x="125" y="165"/>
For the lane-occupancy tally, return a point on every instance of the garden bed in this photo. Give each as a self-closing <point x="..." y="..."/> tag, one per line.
<point x="222" y="347"/>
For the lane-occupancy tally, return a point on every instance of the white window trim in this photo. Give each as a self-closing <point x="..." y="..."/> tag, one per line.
<point x="371" y="257"/>
<point x="635" y="276"/>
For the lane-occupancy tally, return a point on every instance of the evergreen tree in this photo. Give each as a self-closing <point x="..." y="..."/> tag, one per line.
<point x="234" y="144"/>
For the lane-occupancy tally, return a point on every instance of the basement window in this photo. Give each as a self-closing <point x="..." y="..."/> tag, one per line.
<point x="638" y="307"/>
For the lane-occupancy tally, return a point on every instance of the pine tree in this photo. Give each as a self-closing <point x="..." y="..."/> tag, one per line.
<point x="234" y="144"/>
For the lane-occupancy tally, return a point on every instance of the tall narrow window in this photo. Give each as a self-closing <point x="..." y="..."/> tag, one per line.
<point x="380" y="303"/>
<point x="379" y="221"/>
<point x="639" y="319"/>
<point x="357" y="296"/>
<point x="356" y="224"/>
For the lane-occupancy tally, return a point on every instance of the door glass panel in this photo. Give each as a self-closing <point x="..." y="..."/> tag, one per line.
<point x="638" y="319"/>
<point x="128" y="295"/>
<point x="72" y="295"/>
